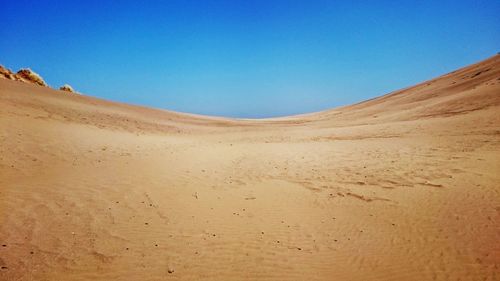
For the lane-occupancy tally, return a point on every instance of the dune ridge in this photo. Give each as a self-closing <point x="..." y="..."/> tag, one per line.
<point x="400" y="187"/>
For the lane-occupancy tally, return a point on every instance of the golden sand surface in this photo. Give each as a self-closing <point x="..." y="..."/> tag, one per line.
<point x="401" y="187"/>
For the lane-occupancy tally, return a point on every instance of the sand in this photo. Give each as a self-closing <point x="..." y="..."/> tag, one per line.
<point x="401" y="187"/>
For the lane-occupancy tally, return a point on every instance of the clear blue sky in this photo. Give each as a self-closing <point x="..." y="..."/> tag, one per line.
<point x="245" y="58"/>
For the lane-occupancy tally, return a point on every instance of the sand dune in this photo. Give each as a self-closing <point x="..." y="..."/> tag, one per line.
<point x="402" y="187"/>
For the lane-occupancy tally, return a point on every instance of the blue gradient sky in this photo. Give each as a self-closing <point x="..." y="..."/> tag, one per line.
<point x="245" y="58"/>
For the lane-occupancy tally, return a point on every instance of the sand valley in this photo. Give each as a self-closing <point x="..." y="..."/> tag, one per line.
<point x="401" y="187"/>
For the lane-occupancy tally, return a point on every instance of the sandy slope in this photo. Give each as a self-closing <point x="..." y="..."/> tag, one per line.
<point x="402" y="187"/>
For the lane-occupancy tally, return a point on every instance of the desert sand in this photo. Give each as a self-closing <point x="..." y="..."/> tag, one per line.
<point x="401" y="187"/>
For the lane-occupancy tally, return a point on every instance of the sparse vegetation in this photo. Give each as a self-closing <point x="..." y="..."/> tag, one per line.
<point x="29" y="75"/>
